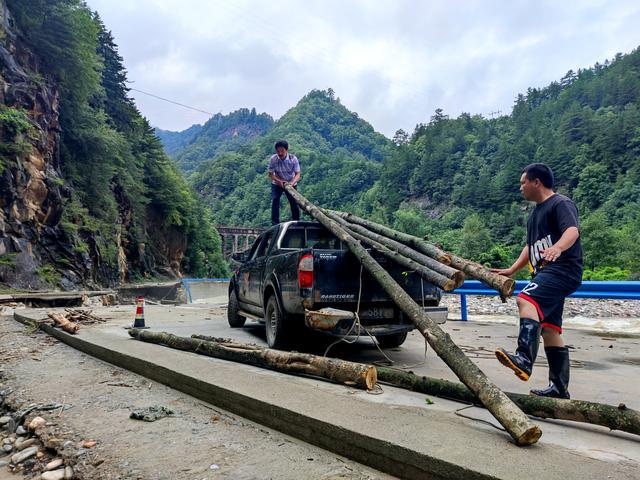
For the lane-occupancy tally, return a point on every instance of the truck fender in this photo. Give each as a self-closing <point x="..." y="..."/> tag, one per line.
<point x="273" y="285"/>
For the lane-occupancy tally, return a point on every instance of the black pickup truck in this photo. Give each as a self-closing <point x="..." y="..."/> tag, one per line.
<point x="298" y="275"/>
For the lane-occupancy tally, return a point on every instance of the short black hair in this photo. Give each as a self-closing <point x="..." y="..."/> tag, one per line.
<point x="541" y="172"/>
<point x="282" y="143"/>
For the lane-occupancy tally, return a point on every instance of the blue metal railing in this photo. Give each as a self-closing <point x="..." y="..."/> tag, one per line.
<point x="588" y="289"/>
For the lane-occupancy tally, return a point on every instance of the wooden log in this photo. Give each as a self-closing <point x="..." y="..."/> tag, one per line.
<point x="61" y="321"/>
<point x="502" y="284"/>
<point x="506" y="412"/>
<point x="340" y="371"/>
<point x="387" y="245"/>
<point x="447" y="284"/>
<point x="613" y="417"/>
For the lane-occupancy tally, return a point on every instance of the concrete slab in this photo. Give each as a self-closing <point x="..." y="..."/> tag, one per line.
<point x="395" y="431"/>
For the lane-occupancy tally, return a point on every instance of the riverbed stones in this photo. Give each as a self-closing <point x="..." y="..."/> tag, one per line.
<point x="37" y="422"/>
<point x="53" y="464"/>
<point x="24" y="454"/>
<point x="53" y="475"/>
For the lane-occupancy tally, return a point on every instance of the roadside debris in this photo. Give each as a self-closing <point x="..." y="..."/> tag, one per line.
<point x="151" y="414"/>
<point x="60" y="320"/>
<point x="340" y="371"/>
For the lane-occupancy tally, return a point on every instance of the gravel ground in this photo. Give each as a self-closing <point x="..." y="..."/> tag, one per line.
<point x="574" y="307"/>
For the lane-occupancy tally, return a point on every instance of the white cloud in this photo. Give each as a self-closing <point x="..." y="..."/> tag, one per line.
<point x="393" y="62"/>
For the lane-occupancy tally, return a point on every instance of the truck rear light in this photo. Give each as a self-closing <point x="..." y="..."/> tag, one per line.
<point x="305" y="271"/>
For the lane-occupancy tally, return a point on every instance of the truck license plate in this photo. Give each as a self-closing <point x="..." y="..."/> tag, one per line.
<point x="375" y="313"/>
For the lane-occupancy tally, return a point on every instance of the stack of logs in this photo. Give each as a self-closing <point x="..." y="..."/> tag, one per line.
<point x="354" y="231"/>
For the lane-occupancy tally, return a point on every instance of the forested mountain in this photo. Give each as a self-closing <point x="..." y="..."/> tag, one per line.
<point x="340" y="156"/>
<point x="176" y="141"/>
<point x="88" y="195"/>
<point x="221" y="133"/>
<point x="456" y="179"/>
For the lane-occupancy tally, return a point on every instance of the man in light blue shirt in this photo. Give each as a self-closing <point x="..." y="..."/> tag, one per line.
<point x="283" y="168"/>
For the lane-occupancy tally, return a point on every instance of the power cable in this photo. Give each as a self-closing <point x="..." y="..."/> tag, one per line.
<point x="171" y="101"/>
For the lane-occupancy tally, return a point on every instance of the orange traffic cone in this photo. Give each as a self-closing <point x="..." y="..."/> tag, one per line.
<point x="139" y="320"/>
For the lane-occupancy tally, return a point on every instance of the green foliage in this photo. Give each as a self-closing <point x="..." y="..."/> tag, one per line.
<point x="606" y="274"/>
<point x="15" y="128"/>
<point x="475" y="238"/>
<point x="8" y="260"/>
<point x="110" y="156"/>
<point x="48" y="274"/>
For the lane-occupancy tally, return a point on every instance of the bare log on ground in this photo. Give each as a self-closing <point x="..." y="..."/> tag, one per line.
<point x="405" y="255"/>
<point x="348" y="373"/>
<point x="506" y="412"/>
<point x="502" y="284"/>
<point x="616" y="418"/>
<point x="60" y="320"/>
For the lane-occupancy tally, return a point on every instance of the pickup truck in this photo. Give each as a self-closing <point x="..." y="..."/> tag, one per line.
<point x="297" y="275"/>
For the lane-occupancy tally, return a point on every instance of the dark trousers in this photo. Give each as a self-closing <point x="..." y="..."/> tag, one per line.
<point x="276" y="193"/>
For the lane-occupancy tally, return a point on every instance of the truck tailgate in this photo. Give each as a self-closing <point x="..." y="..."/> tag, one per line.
<point x="338" y="278"/>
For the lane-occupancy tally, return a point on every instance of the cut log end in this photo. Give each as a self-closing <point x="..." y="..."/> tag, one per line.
<point x="508" y="287"/>
<point x="450" y="285"/>
<point x="371" y="377"/>
<point x="529" y="437"/>
<point x="458" y="277"/>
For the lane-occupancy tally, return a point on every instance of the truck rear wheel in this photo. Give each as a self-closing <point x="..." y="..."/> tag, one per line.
<point x="391" y="341"/>
<point x="233" y="312"/>
<point x="277" y="336"/>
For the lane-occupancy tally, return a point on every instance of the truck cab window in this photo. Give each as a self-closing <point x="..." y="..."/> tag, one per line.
<point x="321" y="239"/>
<point x="265" y="243"/>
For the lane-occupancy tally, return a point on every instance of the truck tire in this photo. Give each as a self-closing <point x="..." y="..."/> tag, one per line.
<point x="233" y="312"/>
<point x="391" y="341"/>
<point x="276" y="331"/>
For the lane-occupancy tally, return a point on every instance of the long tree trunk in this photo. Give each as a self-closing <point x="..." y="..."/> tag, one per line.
<point x="502" y="284"/>
<point x="388" y="245"/>
<point x="615" y="418"/>
<point x="340" y="371"/>
<point x="436" y="278"/>
<point x="506" y="412"/>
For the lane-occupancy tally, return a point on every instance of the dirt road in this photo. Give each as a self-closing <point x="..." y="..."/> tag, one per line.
<point x="197" y="442"/>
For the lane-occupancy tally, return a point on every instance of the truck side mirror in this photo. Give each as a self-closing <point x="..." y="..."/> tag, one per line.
<point x="240" y="256"/>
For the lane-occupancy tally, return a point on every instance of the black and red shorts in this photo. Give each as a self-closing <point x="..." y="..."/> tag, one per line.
<point x="547" y="291"/>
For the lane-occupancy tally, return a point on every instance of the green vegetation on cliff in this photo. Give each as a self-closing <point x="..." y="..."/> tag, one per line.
<point x="124" y="191"/>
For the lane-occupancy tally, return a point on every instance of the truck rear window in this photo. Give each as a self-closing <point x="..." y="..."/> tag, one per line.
<point x="312" y="237"/>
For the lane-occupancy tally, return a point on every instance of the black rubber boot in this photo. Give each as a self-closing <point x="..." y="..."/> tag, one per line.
<point x="558" y="359"/>
<point x="528" y="342"/>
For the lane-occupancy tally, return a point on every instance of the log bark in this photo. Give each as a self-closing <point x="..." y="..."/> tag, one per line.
<point x="340" y="371"/>
<point x="615" y="418"/>
<point x="502" y="284"/>
<point x="506" y="412"/>
<point x="61" y="321"/>
<point x="401" y="253"/>
<point x="441" y="281"/>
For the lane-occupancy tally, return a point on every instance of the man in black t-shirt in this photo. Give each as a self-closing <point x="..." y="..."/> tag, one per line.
<point x="554" y="255"/>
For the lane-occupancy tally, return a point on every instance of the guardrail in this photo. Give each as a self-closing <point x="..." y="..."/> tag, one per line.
<point x="588" y="289"/>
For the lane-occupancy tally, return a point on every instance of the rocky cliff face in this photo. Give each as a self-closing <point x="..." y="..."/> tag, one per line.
<point x="30" y="183"/>
<point x="35" y="252"/>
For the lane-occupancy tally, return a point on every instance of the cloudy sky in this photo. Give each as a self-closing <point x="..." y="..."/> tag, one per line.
<point x="392" y="61"/>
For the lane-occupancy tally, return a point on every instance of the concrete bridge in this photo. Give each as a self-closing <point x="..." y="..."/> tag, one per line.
<point x="237" y="239"/>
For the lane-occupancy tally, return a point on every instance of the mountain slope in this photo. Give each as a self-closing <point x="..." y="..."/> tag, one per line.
<point x="340" y="156"/>
<point x="466" y="170"/>
<point x="221" y="133"/>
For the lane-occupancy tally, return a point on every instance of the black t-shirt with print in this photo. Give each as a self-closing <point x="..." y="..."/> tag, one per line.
<point x="547" y="223"/>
